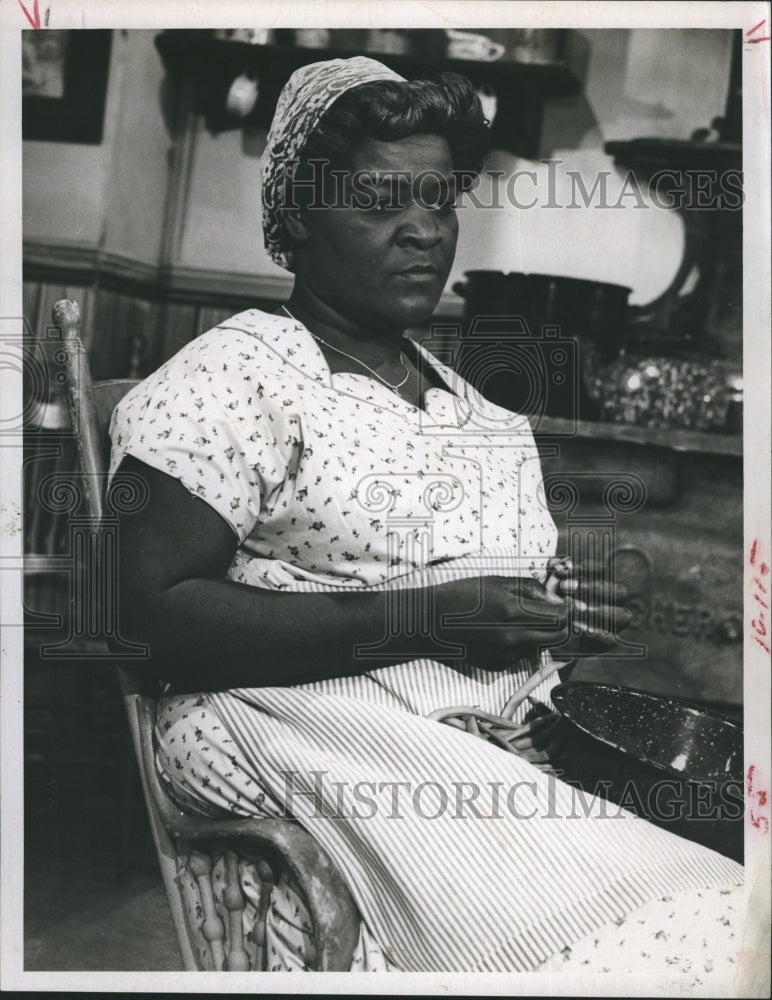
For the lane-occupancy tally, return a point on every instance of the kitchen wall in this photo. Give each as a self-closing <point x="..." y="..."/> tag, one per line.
<point x="157" y="232"/>
<point x="120" y="200"/>
<point x="629" y="92"/>
<point x="109" y="196"/>
<point x="662" y="84"/>
<point x="94" y="215"/>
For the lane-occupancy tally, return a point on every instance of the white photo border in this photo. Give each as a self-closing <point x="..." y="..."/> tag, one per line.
<point x="753" y="976"/>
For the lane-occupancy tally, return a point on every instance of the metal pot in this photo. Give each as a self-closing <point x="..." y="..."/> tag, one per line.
<point x="541" y="330"/>
<point x="587" y="310"/>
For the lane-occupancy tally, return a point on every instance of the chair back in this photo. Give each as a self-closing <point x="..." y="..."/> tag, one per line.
<point x="333" y="912"/>
<point x="91" y="405"/>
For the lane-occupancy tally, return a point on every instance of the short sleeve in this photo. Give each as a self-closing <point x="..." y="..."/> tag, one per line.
<point x="201" y="418"/>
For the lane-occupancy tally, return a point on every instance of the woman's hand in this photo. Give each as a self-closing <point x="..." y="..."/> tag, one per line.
<point x="596" y="604"/>
<point x="497" y="619"/>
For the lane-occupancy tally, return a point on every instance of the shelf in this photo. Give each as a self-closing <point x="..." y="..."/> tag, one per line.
<point x="675" y="153"/>
<point x="674" y="438"/>
<point x="183" y="50"/>
<point x="212" y="64"/>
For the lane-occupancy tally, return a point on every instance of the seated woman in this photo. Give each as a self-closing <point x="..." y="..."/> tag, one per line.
<point x="341" y="539"/>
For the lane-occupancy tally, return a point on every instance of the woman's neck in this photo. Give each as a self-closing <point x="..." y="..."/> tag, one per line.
<point x="370" y="344"/>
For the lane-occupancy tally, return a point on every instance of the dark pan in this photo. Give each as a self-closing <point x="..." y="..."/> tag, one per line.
<point x="674" y="763"/>
<point x="672" y="735"/>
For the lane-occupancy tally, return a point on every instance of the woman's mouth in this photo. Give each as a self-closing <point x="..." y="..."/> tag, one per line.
<point x="419" y="272"/>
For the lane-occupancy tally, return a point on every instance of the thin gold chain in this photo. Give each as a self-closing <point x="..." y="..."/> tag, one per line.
<point x="351" y="357"/>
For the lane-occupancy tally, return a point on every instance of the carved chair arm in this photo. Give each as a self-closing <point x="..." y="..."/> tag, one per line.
<point x="280" y="843"/>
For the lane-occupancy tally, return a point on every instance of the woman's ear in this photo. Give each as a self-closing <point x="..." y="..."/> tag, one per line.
<point x="295" y="225"/>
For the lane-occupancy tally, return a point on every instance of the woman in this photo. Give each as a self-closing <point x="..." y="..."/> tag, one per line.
<point x="369" y="544"/>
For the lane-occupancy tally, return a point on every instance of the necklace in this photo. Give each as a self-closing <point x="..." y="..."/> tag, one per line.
<point x="351" y="357"/>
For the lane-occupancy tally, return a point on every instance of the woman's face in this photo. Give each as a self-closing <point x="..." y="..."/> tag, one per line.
<point x="382" y="257"/>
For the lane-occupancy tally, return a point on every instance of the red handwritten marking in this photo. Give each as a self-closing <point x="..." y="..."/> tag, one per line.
<point x="759" y="821"/>
<point x="763" y="568"/>
<point x="753" y="30"/>
<point x="34" y="18"/>
<point x="759" y="624"/>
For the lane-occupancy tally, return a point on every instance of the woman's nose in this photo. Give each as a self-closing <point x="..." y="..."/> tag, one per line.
<point x="420" y="227"/>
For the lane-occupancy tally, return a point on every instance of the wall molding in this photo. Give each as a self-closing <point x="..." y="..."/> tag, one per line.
<point x="69" y="263"/>
<point x="205" y="286"/>
<point x="88" y="264"/>
<point x="49" y="259"/>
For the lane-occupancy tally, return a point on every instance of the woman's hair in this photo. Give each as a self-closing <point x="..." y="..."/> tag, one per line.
<point x="386" y="110"/>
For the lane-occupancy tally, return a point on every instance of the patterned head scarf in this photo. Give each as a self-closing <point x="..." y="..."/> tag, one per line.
<point x="308" y="93"/>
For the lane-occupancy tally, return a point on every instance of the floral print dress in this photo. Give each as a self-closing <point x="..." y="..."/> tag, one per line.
<point x="332" y="482"/>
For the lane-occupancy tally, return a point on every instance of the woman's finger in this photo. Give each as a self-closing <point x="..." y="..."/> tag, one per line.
<point x="599" y="617"/>
<point x="599" y="592"/>
<point x="598" y="641"/>
<point x="591" y="568"/>
<point x="560" y="566"/>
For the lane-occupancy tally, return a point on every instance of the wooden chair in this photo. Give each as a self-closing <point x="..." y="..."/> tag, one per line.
<point x="190" y="848"/>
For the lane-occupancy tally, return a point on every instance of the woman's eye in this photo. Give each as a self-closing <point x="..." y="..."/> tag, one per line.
<point x="444" y="208"/>
<point x="388" y="206"/>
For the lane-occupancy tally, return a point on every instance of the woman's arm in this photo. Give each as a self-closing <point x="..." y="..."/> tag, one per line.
<point x="208" y="633"/>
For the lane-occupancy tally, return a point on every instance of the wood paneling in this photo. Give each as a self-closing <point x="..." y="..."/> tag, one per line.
<point x="177" y="325"/>
<point x="121" y="323"/>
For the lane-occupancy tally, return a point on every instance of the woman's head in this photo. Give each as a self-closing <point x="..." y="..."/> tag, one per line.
<point x="389" y="110"/>
<point x="372" y="185"/>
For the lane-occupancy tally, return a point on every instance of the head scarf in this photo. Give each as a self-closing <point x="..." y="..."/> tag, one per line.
<point x="308" y="93"/>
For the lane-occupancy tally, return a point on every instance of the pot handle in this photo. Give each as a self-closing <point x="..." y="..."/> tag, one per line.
<point x="461" y="288"/>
